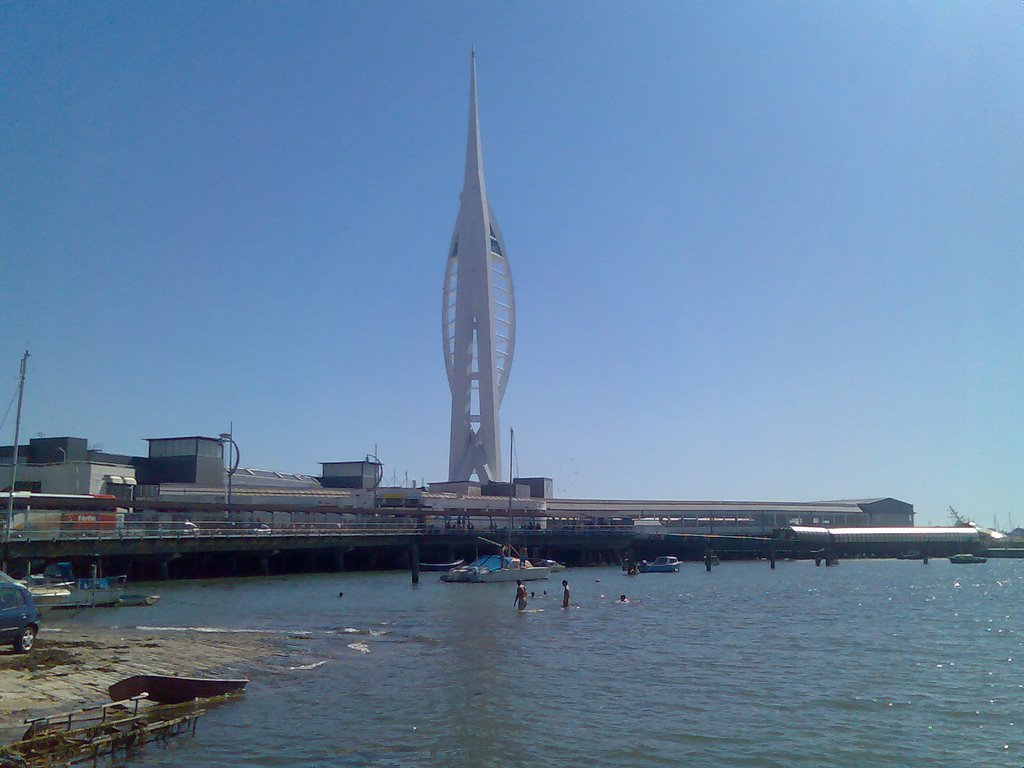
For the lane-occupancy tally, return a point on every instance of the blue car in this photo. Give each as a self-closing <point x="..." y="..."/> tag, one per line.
<point x="19" y="619"/>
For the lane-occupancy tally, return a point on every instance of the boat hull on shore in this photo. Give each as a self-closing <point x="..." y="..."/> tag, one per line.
<point x="166" y="689"/>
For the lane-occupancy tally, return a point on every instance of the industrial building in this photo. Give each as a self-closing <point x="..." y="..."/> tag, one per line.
<point x="187" y="476"/>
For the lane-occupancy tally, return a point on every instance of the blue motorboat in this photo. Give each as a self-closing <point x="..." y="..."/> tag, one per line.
<point x="666" y="564"/>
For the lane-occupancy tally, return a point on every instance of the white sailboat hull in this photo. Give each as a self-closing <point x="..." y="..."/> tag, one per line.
<point x="510" y="574"/>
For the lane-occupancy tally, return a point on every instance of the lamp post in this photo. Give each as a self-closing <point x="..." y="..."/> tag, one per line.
<point x="227" y="437"/>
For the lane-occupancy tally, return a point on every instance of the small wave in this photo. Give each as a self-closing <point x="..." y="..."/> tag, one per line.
<point x="361" y="647"/>
<point x="223" y="630"/>
<point x="424" y="639"/>
<point x="314" y="665"/>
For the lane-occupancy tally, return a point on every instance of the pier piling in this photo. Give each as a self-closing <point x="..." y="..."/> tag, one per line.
<point x="414" y="561"/>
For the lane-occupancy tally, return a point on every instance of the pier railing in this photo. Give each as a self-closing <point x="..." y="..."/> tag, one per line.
<point x="363" y="528"/>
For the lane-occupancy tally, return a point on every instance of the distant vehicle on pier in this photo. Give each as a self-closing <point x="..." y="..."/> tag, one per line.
<point x="664" y="564"/>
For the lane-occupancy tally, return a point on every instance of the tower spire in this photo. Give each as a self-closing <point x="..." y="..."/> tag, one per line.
<point x="474" y="152"/>
<point x="477" y="319"/>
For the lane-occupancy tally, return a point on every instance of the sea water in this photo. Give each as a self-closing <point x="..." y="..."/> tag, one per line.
<point x="872" y="663"/>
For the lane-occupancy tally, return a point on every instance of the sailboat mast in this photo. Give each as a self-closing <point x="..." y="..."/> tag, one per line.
<point x="14" y="461"/>
<point x="511" y="485"/>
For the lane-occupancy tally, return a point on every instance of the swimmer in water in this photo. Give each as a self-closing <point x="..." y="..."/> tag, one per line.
<point x="623" y="599"/>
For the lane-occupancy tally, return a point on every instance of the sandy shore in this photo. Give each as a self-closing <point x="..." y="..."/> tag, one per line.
<point x="73" y="668"/>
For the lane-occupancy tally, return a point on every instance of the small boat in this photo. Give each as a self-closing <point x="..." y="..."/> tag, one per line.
<point x="491" y="569"/>
<point x="138" y="599"/>
<point x="167" y="689"/>
<point x="94" y="592"/>
<point x="441" y="566"/>
<point x="664" y="564"/>
<point x="910" y="555"/>
<point x="966" y="558"/>
<point x="47" y="596"/>
<point x="553" y="566"/>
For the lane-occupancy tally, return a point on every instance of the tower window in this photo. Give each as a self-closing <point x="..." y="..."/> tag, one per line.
<point x="495" y="245"/>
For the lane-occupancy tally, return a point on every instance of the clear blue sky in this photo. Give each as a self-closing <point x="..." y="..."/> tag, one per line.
<point x="760" y="250"/>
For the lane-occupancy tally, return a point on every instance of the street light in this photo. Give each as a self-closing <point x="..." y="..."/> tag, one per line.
<point x="226" y="437"/>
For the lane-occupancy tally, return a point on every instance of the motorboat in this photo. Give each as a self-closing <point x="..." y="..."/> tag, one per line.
<point x="138" y="599"/>
<point x="441" y="566"/>
<point x="47" y="596"/>
<point x="966" y="558"/>
<point x="168" y="689"/>
<point x="491" y="569"/>
<point x="664" y="564"/>
<point x="552" y="565"/>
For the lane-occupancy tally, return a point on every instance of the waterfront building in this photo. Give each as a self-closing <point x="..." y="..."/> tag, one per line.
<point x="478" y="320"/>
<point x="186" y="477"/>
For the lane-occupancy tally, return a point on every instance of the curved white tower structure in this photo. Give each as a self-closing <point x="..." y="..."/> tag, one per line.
<point x="478" y="321"/>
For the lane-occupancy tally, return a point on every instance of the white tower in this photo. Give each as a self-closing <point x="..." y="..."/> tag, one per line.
<point x="478" y="321"/>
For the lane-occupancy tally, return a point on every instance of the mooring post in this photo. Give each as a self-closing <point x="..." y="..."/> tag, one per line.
<point x="164" y="570"/>
<point x="264" y="565"/>
<point x="771" y="555"/>
<point x="414" y="561"/>
<point x="707" y="560"/>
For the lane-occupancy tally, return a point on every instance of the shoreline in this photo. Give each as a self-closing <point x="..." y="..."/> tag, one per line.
<point x="71" y="668"/>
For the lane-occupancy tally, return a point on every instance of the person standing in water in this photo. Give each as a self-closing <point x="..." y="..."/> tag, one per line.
<point x="565" y="593"/>
<point x="520" y="600"/>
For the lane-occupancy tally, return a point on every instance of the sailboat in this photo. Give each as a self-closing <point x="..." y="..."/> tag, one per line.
<point x="494" y="569"/>
<point x="14" y="468"/>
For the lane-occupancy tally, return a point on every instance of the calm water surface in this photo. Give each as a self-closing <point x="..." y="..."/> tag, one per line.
<point x="868" y="664"/>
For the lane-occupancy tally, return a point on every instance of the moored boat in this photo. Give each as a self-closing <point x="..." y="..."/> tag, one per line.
<point x="553" y="566"/>
<point x="138" y="599"/>
<point x="46" y="596"/>
<point x="441" y="566"/>
<point x="966" y="558"/>
<point x="101" y="592"/>
<point x="168" y="689"/>
<point x="664" y="564"/>
<point x="491" y="569"/>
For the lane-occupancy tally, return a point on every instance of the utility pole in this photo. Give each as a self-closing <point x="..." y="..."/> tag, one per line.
<point x="14" y="463"/>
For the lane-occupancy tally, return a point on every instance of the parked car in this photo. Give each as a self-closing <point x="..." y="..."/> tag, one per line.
<point x="19" y="619"/>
